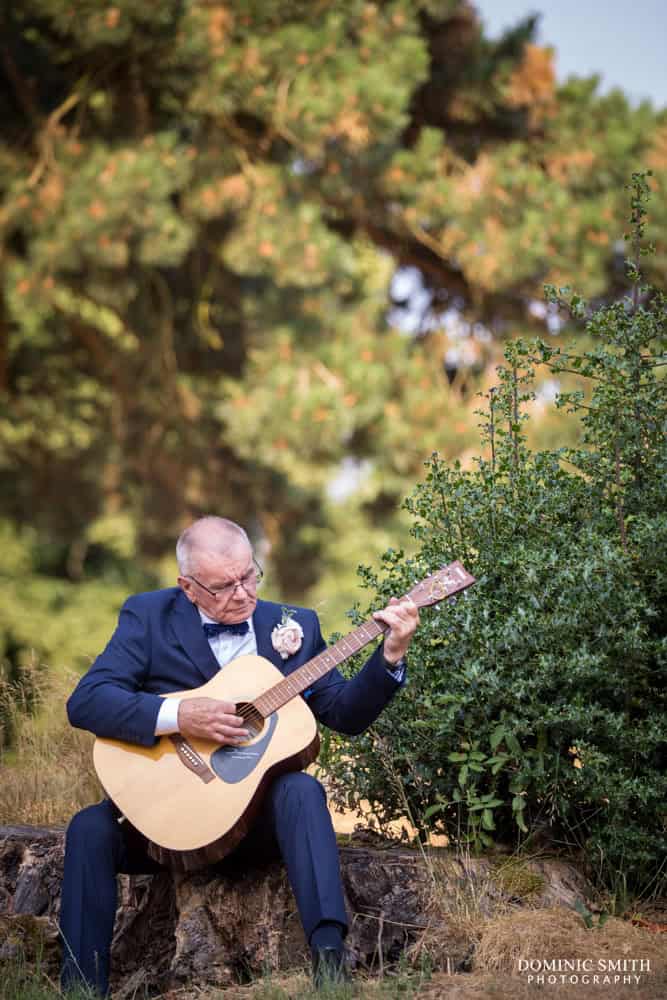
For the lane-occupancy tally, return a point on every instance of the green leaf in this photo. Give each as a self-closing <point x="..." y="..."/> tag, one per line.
<point x="433" y="809"/>
<point x="584" y="912"/>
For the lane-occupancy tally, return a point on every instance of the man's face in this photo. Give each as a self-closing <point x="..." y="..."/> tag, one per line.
<point x="231" y="578"/>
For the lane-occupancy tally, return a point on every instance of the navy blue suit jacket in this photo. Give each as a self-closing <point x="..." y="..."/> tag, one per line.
<point x="159" y="646"/>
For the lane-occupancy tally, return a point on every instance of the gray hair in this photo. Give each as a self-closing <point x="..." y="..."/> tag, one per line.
<point x="208" y="534"/>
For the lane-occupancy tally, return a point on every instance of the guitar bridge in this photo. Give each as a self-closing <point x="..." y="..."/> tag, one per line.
<point x="189" y="757"/>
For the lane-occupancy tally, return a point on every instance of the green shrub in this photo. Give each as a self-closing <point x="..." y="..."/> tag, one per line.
<point x="536" y="703"/>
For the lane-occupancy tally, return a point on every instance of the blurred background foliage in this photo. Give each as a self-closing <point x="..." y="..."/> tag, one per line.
<point x="256" y="259"/>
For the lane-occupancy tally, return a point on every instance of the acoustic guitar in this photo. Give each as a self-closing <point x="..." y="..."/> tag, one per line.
<point x="195" y="800"/>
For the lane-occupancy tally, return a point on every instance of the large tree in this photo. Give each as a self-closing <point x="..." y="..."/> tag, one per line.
<point x="203" y="205"/>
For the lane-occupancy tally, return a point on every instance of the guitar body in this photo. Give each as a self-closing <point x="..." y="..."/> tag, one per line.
<point x="194" y="812"/>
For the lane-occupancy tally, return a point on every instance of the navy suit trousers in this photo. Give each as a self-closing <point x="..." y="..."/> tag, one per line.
<point x="294" y="824"/>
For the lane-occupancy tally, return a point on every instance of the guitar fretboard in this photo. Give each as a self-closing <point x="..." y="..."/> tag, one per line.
<point x="305" y="676"/>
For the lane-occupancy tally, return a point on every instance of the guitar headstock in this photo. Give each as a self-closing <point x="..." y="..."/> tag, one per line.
<point x="444" y="583"/>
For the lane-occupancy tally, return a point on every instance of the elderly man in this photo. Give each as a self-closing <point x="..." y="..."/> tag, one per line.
<point x="177" y="639"/>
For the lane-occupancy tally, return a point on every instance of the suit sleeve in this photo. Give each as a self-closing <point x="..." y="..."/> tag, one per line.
<point x="351" y="706"/>
<point x="108" y="699"/>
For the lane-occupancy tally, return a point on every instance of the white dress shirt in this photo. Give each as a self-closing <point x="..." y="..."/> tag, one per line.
<point x="225" y="647"/>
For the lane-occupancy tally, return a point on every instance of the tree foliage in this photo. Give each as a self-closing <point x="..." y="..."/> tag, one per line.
<point x="536" y="704"/>
<point x="202" y="207"/>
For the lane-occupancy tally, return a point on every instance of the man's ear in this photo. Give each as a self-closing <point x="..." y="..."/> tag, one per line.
<point x="186" y="587"/>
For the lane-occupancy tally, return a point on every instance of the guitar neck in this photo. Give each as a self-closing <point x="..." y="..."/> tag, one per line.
<point x="442" y="584"/>
<point x="303" y="678"/>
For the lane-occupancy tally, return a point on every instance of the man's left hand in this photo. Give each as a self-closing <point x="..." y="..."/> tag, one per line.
<point x="402" y="617"/>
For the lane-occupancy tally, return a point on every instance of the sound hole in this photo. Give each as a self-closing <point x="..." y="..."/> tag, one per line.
<point x="252" y="720"/>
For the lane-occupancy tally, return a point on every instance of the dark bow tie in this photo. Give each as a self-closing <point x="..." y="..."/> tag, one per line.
<point x="212" y="629"/>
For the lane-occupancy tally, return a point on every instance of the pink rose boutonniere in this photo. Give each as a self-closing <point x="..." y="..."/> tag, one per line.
<point x="287" y="637"/>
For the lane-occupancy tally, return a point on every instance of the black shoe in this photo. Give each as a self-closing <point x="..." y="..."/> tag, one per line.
<point x="329" y="967"/>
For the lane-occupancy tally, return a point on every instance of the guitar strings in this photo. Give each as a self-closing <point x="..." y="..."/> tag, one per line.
<point x="250" y="715"/>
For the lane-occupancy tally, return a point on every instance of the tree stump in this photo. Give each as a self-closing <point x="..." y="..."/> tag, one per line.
<point x="222" y="926"/>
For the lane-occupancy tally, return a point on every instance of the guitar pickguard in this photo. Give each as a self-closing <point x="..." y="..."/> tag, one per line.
<point x="234" y="764"/>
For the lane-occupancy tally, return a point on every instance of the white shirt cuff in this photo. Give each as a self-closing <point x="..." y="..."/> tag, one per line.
<point x="396" y="670"/>
<point x="167" y="717"/>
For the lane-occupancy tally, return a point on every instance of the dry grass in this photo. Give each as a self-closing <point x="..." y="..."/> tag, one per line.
<point x="455" y="906"/>
<point x="48" y="774"/>
<point x="463" y="892"/>
<point x="548" y="934"/>
<point x="559" y="933"/>
<point x="472" y="916"/>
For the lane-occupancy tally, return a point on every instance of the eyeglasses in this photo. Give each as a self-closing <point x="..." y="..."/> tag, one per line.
<point x="249" y="581"/>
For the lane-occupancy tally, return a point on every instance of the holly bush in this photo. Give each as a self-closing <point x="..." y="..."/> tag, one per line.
<point x="534" y="711"/>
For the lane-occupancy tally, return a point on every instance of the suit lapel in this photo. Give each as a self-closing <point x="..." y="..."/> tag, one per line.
<point x="190" y="634"/>
<point x="265" y="618"/>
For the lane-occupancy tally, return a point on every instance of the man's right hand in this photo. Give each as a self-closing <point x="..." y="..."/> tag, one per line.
<point x="210" y="719"/>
